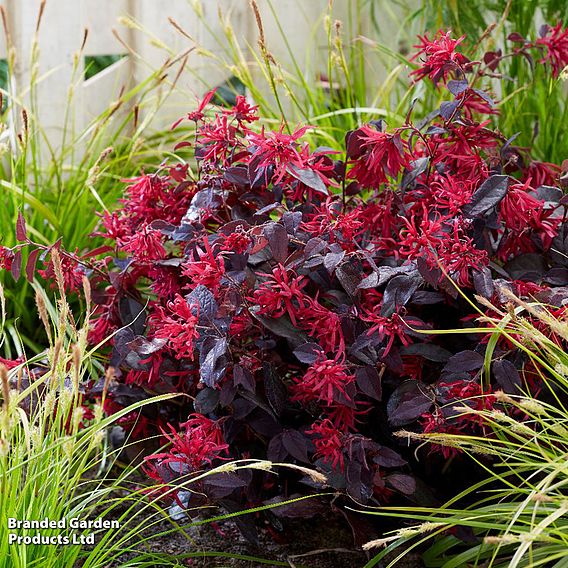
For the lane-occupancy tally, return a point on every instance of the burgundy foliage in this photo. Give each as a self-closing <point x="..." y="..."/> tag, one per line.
<point x="292" y="292"/>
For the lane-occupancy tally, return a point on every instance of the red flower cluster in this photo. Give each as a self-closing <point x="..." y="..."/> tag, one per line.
<point x="6" y="258"/>
<point x="329" y="443"/>
<point x="377" y="154"/>
<point x="176" y="323"/>
<point x="554" y="41"/>
<point x="439" y="57"/>
<point x="198" y="443"/>
<point x="327" y="381"/>
<point x="72" y="271"/>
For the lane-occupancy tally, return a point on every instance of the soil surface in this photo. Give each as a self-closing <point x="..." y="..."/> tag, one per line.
<point x="325" y="542"/>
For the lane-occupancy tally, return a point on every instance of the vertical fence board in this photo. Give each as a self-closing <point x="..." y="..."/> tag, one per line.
<point x="3" y="50"/>
<point x="54" y="71"/>
<point x="100" y="18"/>
<point x="295" y="38"/>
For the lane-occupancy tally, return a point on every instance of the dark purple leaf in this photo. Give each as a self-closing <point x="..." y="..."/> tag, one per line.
<point x="314" y="246"/>
<point x="485" y="96"/>
<point x="509" y="142"/>
<point x="204" y="299"/>
<point x="354" y="140"/>
<point x="226" y="480"/>
<point x="371" y="281"/>
<point x="304" y="509"/>
<point x="244" y="378"/>
<point x="242" y="407"/>
<point x="203" y="201"/>
<point x="237" y="175"/>
<point x="292" y="221"/>
<point x="21" y="231"/>
<point x="408" y="402"/>
<point x="185" y="232"/>
<point x="183" y="144"/>
<point x="355" y="487"/>
<point x="432" y="275"/>
<point x="516" y="37"/>
<point x="406" y="484"/>
<point x="410" y="110"/>
<point x="278" y="240"/>
<point x="282" y="327"/>
<point x="296" y="444"/>
<point x="313" y="261"/>
<point x="276" y="451"/>
<point x="309" y="178"/>
<point x="332" y="259"/>
<point x="16" y="269"/>
<point x="31" y="264"/>
<point x="487" y="195"/>
<point x="457" y="87"/>
<point x="433" y="130"/>
<point x="379" y="124"/>
<point x="206" y="400"/>
<point x="398" y="292"/>
<point x="548" y="193"/>
<point x="492" y="59"/>
<point x="557" y="277"/>
<point x="213" y="360"/>
<point x="417" y="167"/>
<point x="507" y="376"/>
<point x="264" y="211"/>
<point x="132" y="314"/>
<point x="308" y="353"/>
<point x="163" y="226"/>
<point x="464" y="361"/>
<point x="385" y="457"/>
<point x="227" y="393"/>
<point x="429" y="351"/>
<point x="483" y="282"/>
<point x="529" y="266"/>
<point x="388" y="272"/>
<point x="448" y="109"/>
<point x="369" y="382"/>
<point x="275" y="390"/>
<point x="349" y="277"/>
<point x="426" y="298"/>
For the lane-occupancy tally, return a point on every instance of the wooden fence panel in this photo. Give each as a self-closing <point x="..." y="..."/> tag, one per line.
<point x="295" y="36"/>
<point x="3" y="46"/>
<point x="53" y="66"/>
<point x="100" y="18"/>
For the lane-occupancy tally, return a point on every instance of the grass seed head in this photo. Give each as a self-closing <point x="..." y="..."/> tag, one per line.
<point x="5" y="386"/>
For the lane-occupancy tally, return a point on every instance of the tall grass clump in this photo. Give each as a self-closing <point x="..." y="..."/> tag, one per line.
<point x="54" y="457"/>
<point x="60" y="185"/>
<point x="517" y="515"/>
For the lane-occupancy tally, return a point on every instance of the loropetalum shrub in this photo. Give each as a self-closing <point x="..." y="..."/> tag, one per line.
<point x="292" y="292"/>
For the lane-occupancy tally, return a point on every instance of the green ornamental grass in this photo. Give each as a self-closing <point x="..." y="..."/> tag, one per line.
<point x="517" y="514"/>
